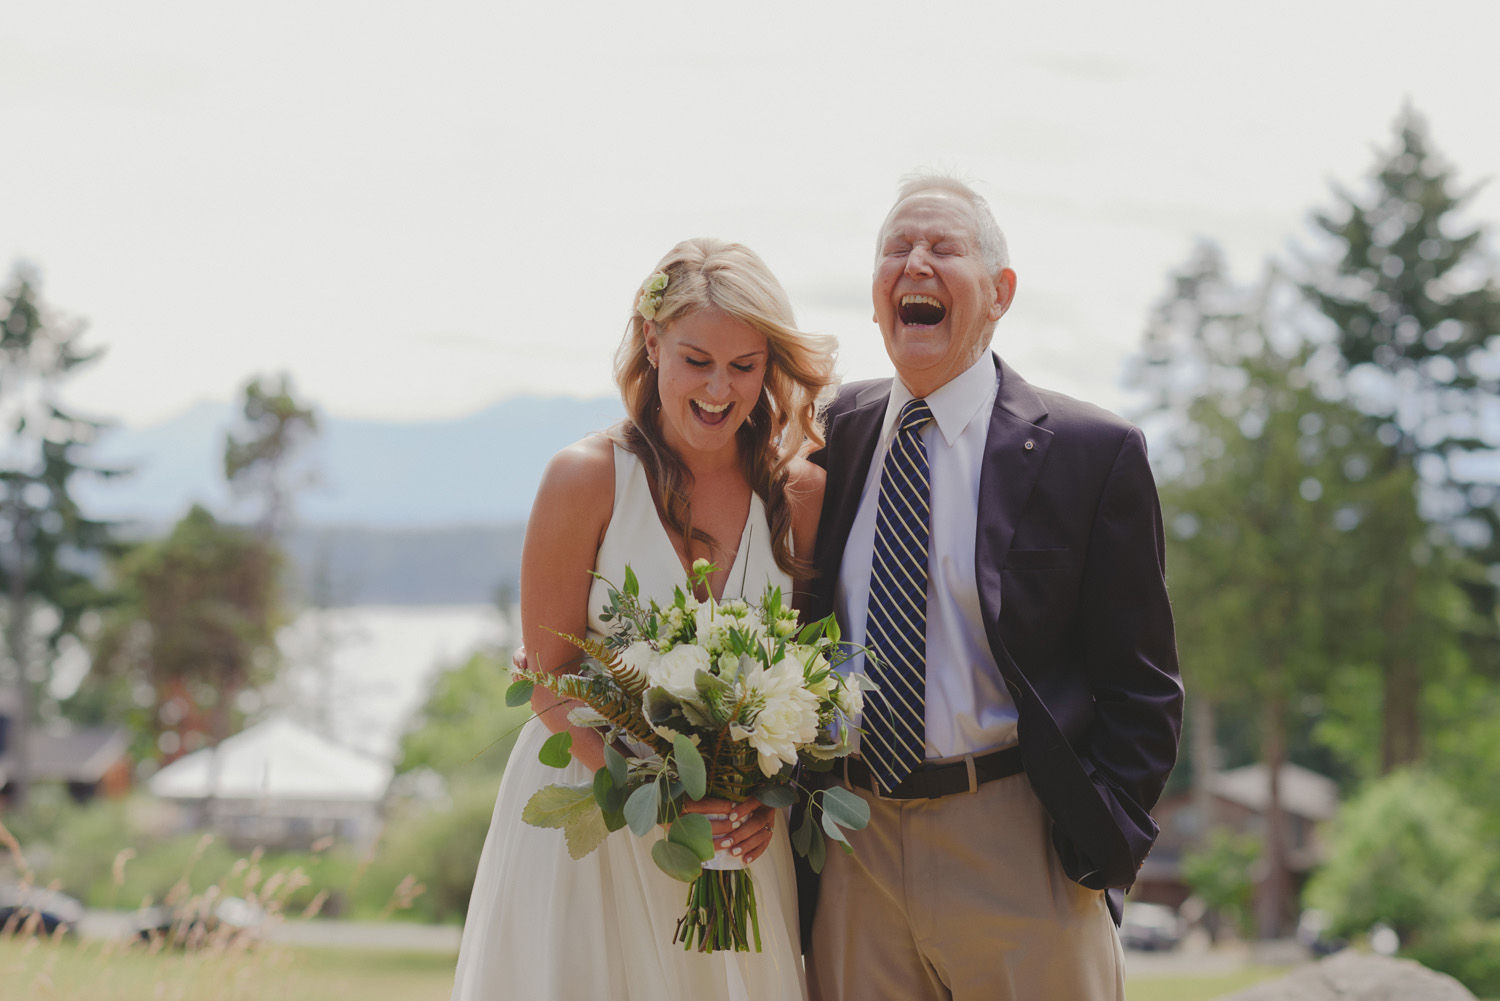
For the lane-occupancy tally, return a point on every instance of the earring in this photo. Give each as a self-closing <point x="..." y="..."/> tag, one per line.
<point x="651" y="360"/>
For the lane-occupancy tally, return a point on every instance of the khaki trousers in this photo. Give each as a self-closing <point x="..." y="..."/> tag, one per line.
<point x="959" y="899"/>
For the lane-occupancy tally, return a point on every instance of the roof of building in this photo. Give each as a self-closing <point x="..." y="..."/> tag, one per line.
<point x="79" y="755"/>
<point x="276" y="760"/>
<point x="1303" y="792"/>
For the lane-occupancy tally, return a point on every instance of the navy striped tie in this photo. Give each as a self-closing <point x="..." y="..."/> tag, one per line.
<point x="895" y="718"/>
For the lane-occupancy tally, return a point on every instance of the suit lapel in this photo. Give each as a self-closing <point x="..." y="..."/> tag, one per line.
<point x="1014" y="453"/>
<point x="852" y="435"/>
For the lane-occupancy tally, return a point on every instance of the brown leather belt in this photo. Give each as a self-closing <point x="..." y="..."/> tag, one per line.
<point x="935" y="781"/>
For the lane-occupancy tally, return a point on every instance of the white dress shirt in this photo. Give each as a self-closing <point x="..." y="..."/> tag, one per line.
<point x="969" y="709"/>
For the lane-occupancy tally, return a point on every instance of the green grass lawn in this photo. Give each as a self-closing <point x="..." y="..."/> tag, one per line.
<point x="33" y="970"/>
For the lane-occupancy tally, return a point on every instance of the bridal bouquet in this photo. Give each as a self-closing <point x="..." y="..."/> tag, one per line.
<point x="702" y="698"/>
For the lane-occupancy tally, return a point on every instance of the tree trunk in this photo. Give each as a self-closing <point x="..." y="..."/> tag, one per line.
<point x="1205" y="751"/>
<point x="1401" y="718"/>
<point x="1274" y="899"/>
<point x="1401" y="729"/>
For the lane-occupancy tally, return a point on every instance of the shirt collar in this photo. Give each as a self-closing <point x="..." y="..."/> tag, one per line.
<point x="954" y="403"/>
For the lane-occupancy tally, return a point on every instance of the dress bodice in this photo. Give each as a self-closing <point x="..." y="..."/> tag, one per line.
<point x="637" y="536"/>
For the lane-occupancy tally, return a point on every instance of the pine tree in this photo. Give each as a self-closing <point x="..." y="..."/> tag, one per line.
<point x="1281" y="527"/>
<point x="258" y="456"/>
<point x="44" y="574"/>
<point x="1416" y="308"/>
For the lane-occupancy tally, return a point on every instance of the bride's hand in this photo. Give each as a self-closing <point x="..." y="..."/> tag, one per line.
<point x="747" y="831"/>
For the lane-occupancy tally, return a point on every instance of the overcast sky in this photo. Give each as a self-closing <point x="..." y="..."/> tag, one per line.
<point x="418" y="209"/>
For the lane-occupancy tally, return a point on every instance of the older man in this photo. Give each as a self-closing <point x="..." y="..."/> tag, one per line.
<point x="999" y="549"/>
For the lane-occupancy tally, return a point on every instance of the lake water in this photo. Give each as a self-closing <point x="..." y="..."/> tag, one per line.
<point x="360" y="672"/>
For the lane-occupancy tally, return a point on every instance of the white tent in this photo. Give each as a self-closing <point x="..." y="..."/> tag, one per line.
<point x="279" y="782"/>
<point x="277" y="759"/>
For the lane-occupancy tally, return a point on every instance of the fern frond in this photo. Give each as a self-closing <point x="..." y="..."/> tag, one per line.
<point x="630" y="680"/>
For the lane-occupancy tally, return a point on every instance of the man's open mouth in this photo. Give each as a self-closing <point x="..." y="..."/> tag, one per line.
<point x="711" y="413"/>
<point x="921" y="310"/>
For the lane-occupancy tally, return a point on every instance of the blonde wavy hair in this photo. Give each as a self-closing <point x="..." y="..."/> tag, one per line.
<point x="706" y="273"/>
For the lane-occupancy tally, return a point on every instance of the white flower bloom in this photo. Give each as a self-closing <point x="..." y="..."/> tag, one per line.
<point x="675" y="670"/>
<point x="787" y="718"/>
<point x="705" y="617"/>
<point x="640" y="656"/>
<point x="850" y="696"/>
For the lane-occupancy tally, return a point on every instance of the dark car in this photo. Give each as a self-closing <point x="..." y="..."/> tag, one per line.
<point x="1150" y="927"/>
<point x="29" y="910"/>
<point x="227" y="921"/>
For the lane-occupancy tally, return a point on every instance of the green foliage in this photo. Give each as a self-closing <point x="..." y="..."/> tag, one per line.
<point x="1218" y="873"/>
<point x="258" y="455"/>
<point x="195" y="626"/>
<point x="1414" y="300"/>
<point x="45" y="582"/>
<point x="465" y="727"/>
<point x="1469" y="953"/>
<point x="1405" y="851"/>
<point x="437" y="850"/>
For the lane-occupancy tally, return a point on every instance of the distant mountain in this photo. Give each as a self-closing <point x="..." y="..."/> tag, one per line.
<point x="407" y="566"/>
<point x="477" y="470"/>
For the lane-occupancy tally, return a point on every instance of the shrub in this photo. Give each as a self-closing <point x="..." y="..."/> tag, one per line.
<point x="1404" y="851"/>
<point x="1469" y="953"/>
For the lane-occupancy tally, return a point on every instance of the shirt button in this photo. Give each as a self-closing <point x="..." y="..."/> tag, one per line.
<point x="1030" y="445"/>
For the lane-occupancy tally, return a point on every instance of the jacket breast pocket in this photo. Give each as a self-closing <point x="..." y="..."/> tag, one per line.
<point x="1041" y="559"/>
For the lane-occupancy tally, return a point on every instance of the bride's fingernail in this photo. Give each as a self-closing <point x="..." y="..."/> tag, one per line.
<point x="736" y="825"/>
<point x="726" y="843"/>
<point x="737" y="851"/>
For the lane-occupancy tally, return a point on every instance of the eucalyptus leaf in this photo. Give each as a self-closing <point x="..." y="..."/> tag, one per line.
<point x="694" y="832"/>
<point x="690" y="766"/>
<point x="831" y="827"/>
<point x="557" y="750"/>
<point x="802" y="835"/>
<point x="519" y="693"/>
<point x="817" y="851"/>
<point x="641" y="808"/>
<point x="676" y="861"/>
<point x="557" y="805"/>
<point x="809" y="632"/>
<point x="610" y="797"/>
<point x="619" y="771"/>
<point x="778" y="796"/>
<point x="846" y="808"/>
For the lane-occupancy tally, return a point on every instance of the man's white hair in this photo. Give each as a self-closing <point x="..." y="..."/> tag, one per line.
<point x="992" y="245"/>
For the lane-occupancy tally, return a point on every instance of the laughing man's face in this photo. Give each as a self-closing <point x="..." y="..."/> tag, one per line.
<point x="936" y="300"/>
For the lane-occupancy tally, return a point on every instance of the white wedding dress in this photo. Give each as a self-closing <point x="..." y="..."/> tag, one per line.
<point x="544" y="925"/>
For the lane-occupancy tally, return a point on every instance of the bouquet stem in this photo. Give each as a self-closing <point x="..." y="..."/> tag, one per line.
<point x="721" y="912"/>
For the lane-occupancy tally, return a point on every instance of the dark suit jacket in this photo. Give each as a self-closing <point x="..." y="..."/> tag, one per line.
<point x="1072" y="585"/>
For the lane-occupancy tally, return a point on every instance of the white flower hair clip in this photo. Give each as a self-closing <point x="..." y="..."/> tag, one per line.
<point x="651" y="295"/>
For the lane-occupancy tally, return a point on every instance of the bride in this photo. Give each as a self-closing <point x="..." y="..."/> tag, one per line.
<point x="720" y="390"/>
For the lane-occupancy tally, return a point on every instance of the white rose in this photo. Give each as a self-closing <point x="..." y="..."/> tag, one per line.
<point x="640" y="656"/>
<point x="675" y="670"/>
